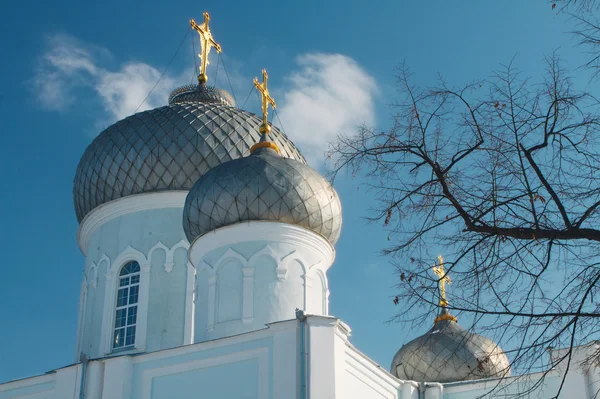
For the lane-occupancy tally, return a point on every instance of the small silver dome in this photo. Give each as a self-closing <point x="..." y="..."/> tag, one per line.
<point x="201" y="93"/>
<point x="262" y="186"/>
<point x="448" y="353"/>
<point x="167" y="148"/>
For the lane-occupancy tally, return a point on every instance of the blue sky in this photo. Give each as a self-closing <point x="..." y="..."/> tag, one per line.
<point x="341" y="54"/>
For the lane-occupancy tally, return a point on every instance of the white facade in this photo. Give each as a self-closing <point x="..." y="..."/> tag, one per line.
<point x="226" y="318"/>
<point x="309" y="357"/>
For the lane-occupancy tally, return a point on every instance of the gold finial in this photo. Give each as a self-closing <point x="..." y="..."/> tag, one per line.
<point x="444" y="278"/>
<point x="206" y="43"/>
<point x="266" y="100"/>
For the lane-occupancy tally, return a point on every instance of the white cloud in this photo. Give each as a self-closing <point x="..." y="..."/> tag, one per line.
<point x="329" y="94"/>
<point x="70" y="64"/>
<point x="122" y="92"/>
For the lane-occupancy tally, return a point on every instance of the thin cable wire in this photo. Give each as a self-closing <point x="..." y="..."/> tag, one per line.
<point x="259" y="100"/>
<point x="230" y="85"/>
<point x="194" y="56"/>
<point x="217" y="72"/>
<point x="249" y="94"/>
<point x="165" y="71"/>
<point x="276" y="115"/>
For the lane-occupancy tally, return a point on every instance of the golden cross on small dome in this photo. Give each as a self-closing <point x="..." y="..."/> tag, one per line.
<point x="444" y="278"/>
<point x="266" y="100"/>
<point x="206" y="43"/>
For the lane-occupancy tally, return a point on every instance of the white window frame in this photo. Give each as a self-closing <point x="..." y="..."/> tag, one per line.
<point x="131" y="283"/>
<point x="110" y="299"/>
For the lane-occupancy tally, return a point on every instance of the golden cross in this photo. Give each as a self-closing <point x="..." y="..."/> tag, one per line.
<point x="266" y="100"/>
<point x="206" y="42"/>
<point x="444" y="278"/>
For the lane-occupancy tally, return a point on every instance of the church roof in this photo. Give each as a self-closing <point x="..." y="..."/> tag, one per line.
<point x="263" y="186"/>
<point x="449" y="353"/>
<point x="168" y="148"/>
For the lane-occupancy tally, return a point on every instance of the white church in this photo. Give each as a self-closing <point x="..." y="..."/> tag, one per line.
<point x="207" y="240"/>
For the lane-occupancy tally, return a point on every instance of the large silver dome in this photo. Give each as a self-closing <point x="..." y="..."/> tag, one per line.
<point x="448" y="353"/>
<point x="262" y="186"/>
<point x="168" y="148"/>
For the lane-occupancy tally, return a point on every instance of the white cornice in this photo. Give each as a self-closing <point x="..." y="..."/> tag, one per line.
<point x="262" y="230"/>
<point x="123" y="206"/>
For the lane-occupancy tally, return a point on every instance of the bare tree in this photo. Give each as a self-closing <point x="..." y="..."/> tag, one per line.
<point x="587" y="28"/>
<point x="502" y="176"/>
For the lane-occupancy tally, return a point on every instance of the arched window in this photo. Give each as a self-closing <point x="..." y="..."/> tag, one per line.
<point x="127" y="306"/>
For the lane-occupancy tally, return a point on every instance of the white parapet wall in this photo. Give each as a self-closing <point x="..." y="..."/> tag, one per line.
<point x="310" y="357"/>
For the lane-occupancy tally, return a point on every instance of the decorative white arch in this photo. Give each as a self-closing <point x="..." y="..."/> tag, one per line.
<point x="159" y="245"/>
<point x="91" y="276"/>
<point x="325" y="291"/>
<point x="229" y="255"/>
<point x="281" y="268"/>
<point x="266" y="251"/>
<point x="108" y="316"/>
<point x="247" y="284"/>
<point x="104" y="259"/>
<point x="169" y="253"/>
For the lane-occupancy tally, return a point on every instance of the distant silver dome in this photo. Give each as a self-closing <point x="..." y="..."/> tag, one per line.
<point x="262" y="186"/>
<point x="448" y="353"/>
<point x="167" y="148"/>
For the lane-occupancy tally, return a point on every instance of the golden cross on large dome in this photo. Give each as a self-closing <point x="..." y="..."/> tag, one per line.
<point x="206" y="43"/>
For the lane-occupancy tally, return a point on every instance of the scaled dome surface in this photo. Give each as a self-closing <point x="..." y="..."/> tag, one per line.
<point x="168" y="148"/>
<point x="449" y="353"/>
<point x="263" y="187"/>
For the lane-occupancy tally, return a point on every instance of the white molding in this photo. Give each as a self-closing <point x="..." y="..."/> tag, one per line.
<point x="266" y="251"/>
<point x="280" y="270"/>
<point x="261" y="354"/>
<point x="281" y="273"/>
<point x="128" y="254"/>
<point x="262" y="231"/>
<point x="159" y="245"/>
<point x="36" y="395"/>
<point x="110" y="296"/>
<point x="124" y="206"/>
<point x="142" y="322"/>
<point x="82" y="316"/>
<point x="103" y="258"/>
<point x="92" y="274"/>
<point x="230" y="254"/>
<point x="169" y="253"/>
<point x="212" y="300"/>
<point x="324" y="291"/>
<point x="248" y="294"/>
<point x="190" y="299"/>
<point x="28" y="381"/>
<point x="240" y="260"/>
<point x="180" y="244"/>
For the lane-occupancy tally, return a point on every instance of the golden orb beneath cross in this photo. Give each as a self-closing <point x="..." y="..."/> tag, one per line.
<point x="265" y="129"/>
